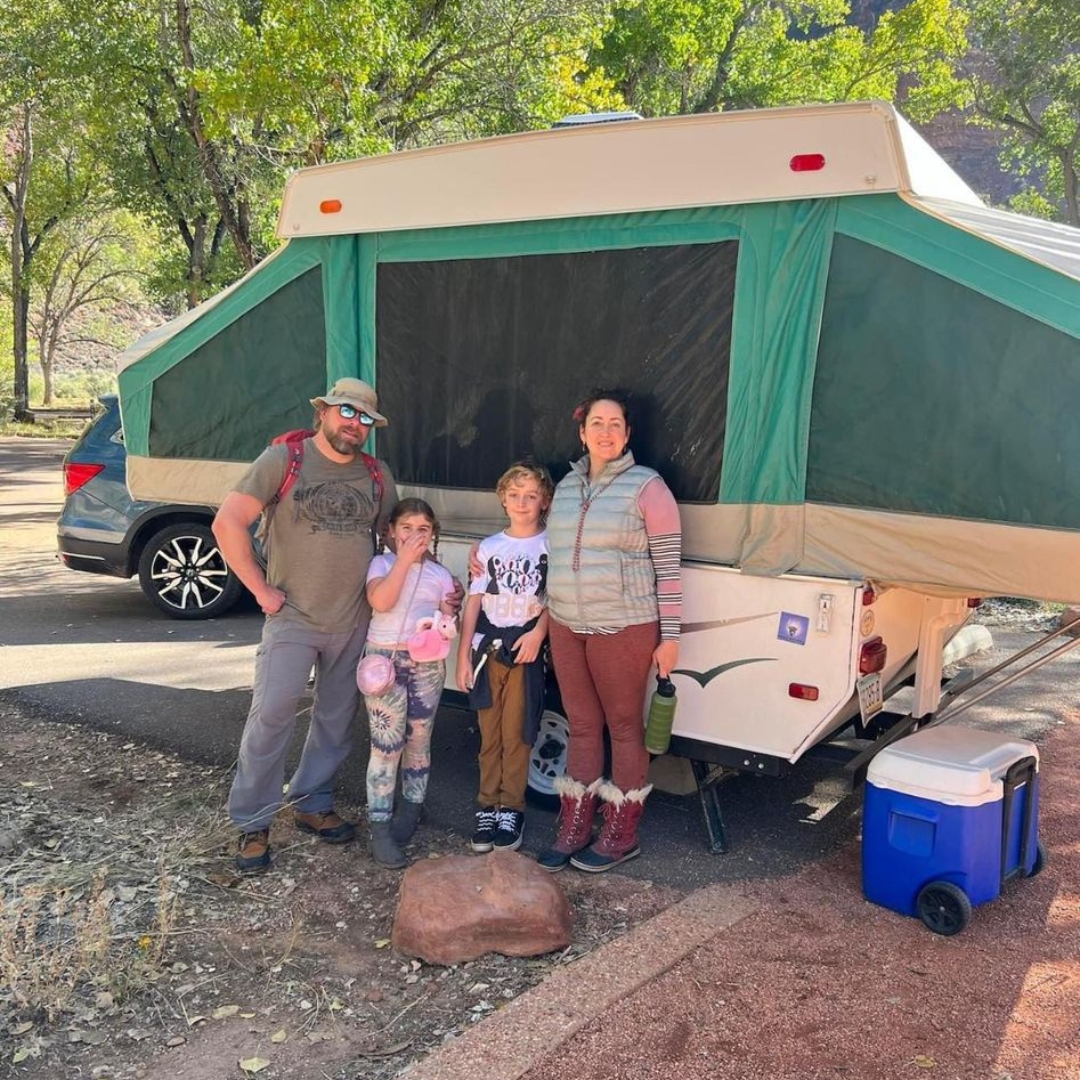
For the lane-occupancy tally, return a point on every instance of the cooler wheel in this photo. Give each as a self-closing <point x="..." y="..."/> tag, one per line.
<point x="943" y="907"/>
<point x="1040" y="859"/>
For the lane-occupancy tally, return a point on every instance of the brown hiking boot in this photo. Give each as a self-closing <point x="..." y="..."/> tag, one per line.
<point x="253" y="852"/>
<point x="326" y="825"/>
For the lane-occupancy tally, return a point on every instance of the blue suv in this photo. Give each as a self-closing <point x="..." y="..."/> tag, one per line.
<point x="103" y="531"/>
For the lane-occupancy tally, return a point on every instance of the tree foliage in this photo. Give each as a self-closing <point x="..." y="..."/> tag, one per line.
<point x="685" y="56"/>
<point x="1028" y="84"/>
<point x="85" y="270"/>
<point x="47" y="171"/>
<point x="201" y="109"/>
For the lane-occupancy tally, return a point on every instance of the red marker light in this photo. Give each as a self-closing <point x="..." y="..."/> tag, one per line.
<point x="802" y="691"/>
<point x="872" y="656"/>
<point x="807" y="163"/>
<point x="330" y="206"/>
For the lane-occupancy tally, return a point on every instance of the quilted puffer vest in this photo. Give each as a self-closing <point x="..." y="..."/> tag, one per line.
<point x="599" y="570"/>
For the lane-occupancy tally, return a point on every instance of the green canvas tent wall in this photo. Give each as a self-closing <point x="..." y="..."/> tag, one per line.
<point x="845" y="363"/>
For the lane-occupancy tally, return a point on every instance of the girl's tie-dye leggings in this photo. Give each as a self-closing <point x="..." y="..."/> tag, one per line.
<point x="401" y="721"/>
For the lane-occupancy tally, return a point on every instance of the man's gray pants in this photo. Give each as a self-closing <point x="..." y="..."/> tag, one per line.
<point x="283" y="662"/>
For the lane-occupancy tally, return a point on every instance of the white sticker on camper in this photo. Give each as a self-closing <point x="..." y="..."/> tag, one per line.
<point x="793" y="628"/>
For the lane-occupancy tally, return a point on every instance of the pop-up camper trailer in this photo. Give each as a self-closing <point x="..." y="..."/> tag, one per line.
<point x="860" y="382"/>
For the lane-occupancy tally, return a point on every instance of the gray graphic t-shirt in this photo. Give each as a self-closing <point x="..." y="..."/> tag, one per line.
<point x="320" y="538"/>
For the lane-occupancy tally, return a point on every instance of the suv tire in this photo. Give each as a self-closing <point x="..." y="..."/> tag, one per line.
<point x="183" y="573"/>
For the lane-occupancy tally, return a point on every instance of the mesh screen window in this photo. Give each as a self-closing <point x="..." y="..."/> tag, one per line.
<point x="481" y="361"/>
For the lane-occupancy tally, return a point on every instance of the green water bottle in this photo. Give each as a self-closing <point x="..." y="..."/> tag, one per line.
<point x="661" y="717"/>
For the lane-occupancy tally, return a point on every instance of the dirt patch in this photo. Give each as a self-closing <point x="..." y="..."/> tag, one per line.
<point x="128" y="948"/>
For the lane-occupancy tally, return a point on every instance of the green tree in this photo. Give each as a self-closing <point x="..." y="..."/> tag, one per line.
<point x="45" y="167"/>
<point x="1027" y="84"/>
<point x="202" y="109"/>
<point x="85" y="270"/>
<point x="687" y="56"/>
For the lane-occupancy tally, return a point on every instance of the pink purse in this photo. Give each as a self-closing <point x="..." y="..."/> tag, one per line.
<point x="375" y="674"/>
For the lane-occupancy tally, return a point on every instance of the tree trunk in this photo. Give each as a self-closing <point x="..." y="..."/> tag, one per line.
<point x="46" y="374"/>
<point x="20" y="279"/>
<point x="1072" y="189"/>
<point x="21" y="312"/>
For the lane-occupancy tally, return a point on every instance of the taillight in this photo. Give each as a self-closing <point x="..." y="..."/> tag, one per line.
<point x="872" y="656"/>
<point x="802" y="691"/>
<point x="974" y="601"/>
<point x="77" y="473"/>
<point x="868" y="595"/>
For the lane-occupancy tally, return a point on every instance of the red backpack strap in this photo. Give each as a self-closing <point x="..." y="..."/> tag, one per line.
<point x="376" y="477"/>
<point x="294" y="440"/>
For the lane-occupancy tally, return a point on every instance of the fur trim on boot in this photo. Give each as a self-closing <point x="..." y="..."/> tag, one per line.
<point x="383" y="849"/>
<point x="618" y="840"/>
<point x="577" y="809"/>
<point x="406" y="818"/>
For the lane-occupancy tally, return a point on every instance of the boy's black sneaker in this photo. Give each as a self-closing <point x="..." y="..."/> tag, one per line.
<point x="483" y="839"/>
<point x="508" y="830"/>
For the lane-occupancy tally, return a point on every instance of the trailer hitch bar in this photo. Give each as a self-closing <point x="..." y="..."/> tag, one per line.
<point x="857" y="766"/>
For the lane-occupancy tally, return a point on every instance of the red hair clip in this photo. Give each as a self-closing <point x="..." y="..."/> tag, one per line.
<point x="579" y="414"/>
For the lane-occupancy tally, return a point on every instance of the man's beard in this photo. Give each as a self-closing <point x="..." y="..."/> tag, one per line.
<point x="343" y="443"/>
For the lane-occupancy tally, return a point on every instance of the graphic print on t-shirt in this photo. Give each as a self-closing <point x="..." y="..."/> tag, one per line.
<point x="515" y="584"/>
<point x="335" y="507"/>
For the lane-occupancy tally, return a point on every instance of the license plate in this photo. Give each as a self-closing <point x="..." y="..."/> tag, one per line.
<point x="870" y="700"/>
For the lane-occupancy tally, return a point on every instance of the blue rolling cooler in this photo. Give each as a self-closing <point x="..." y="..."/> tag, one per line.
<point x="950" y="814"/>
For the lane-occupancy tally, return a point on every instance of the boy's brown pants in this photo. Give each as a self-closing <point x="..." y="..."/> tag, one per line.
<point x="504" y="758"/>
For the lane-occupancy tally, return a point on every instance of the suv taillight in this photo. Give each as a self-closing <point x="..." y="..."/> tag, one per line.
<point x="872" y="656"/>
<point x="77" y="473"/>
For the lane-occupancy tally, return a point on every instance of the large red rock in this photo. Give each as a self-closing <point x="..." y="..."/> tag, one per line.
<point x="459" y="907"/>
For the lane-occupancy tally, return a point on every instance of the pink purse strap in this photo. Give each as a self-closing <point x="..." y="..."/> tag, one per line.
<point x="405" y="617"/>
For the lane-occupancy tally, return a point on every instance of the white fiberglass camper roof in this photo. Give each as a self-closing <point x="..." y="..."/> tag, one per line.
<point x="712" y="159"/>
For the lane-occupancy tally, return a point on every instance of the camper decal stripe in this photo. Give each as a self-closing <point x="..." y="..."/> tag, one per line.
<point x="703" y="678"/>
<point x="715" y="624"/>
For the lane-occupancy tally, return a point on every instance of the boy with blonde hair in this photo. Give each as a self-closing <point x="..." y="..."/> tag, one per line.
<point x="499" y="659"/>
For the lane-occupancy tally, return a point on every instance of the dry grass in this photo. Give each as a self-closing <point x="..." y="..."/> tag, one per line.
<point x="91" y="904"/>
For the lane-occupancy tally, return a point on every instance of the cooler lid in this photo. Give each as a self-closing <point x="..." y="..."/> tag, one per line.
<point x="961" y="762"/>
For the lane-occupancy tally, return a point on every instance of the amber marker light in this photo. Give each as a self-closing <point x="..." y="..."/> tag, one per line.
<point x="330" y="206"/>
<point x="807" y="163"/>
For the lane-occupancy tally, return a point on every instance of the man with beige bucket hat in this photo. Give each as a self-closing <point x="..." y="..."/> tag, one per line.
<point x="334" y="500"/>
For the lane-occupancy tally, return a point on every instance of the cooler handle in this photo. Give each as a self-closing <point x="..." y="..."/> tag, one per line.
<point x="1020" y="772"/>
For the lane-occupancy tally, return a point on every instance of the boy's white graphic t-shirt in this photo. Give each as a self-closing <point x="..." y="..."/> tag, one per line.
<point x="513" y="584"/>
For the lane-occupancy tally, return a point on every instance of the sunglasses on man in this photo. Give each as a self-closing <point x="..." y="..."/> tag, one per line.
<point x="349" y="413"/>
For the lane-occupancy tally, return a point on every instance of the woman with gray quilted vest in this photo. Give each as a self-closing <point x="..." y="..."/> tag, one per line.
<point x="614" y="602"/>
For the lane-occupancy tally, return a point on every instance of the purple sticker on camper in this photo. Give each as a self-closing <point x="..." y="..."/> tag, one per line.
<point x="793" y="628"/>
